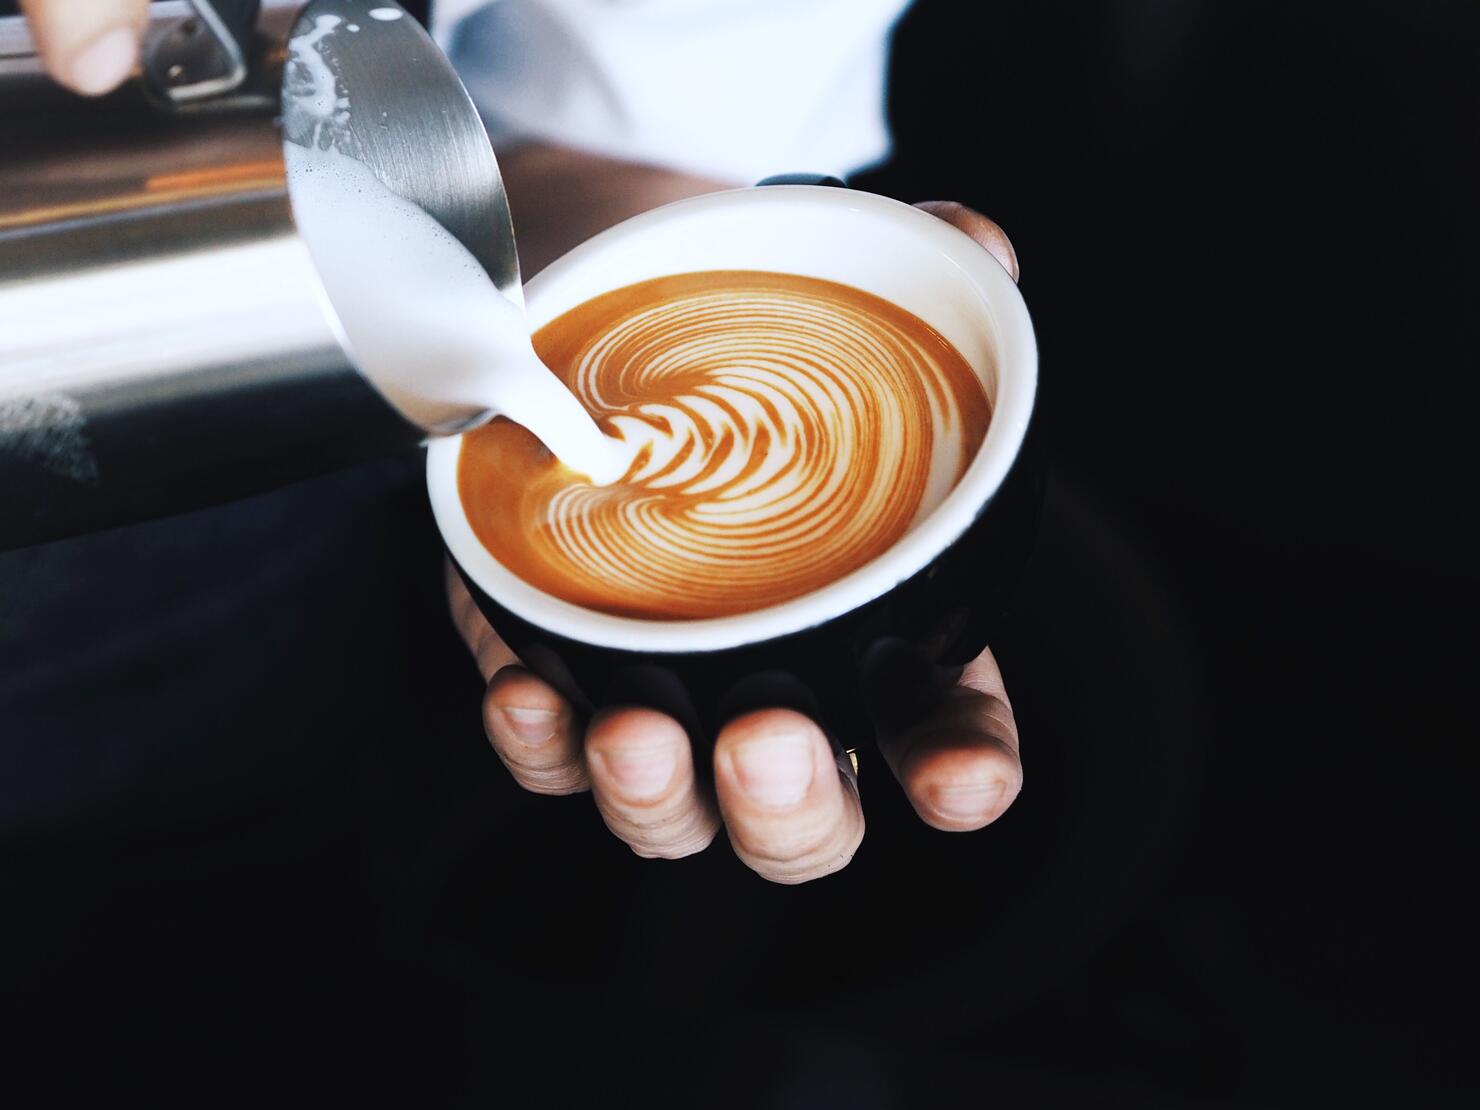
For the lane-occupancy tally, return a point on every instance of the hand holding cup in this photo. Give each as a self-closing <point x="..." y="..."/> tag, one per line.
<point x="781" y="787"/>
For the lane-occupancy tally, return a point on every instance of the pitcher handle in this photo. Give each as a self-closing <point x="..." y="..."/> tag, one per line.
<point x="205" y="57"/>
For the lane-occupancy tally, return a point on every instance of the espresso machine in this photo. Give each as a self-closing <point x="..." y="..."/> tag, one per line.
<point x="166" y="341"/>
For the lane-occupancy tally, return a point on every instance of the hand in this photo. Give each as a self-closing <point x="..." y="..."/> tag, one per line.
<point x="788" y="802"/>
<point x="88" y="45"/>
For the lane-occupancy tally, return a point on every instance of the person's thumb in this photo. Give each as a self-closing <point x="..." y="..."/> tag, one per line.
<point x="88" y="45"/>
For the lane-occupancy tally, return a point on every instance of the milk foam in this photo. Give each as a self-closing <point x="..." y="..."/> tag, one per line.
<point x="795" y="429"/>
<point x="420" y="315"/>
<point x="776" y="397"/>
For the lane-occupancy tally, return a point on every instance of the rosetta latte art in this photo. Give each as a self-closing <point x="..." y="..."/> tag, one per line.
<point x="785" y="431"/>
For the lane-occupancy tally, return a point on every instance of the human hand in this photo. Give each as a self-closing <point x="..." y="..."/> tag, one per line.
<point x="88" y="45"/>
<point x="787" y="800"/>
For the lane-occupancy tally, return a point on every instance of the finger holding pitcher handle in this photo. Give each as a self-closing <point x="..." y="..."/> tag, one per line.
<point x="90" y="46"/>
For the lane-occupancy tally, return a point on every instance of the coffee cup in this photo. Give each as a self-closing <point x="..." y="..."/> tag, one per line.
<point x="928" y="603"/>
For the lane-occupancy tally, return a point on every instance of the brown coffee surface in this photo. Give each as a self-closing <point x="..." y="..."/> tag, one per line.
<point x="791" y="430"/>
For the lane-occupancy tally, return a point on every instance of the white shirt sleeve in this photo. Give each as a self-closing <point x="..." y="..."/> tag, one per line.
<point x="731" y="89"/>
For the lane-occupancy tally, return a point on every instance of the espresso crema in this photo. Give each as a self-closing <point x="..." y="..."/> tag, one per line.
<point x="785" y="431"/>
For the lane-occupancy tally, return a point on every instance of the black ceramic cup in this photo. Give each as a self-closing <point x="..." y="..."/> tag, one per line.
<point x="895" y="625"/>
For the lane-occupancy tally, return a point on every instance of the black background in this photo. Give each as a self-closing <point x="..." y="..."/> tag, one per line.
<point x="1240" y="658"/>
<point x="1247" y="233"/>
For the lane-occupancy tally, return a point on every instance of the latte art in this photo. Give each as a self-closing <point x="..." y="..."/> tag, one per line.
<point x="785" y="431"/>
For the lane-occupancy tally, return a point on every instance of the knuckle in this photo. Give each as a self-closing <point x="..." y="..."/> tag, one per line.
<point x="680" y="831"/>
<point x="801" y="854"/>
<point x="984" y="676"/>
<point x="788" y="851"/>
<point x="554" y="783"/>
<point x="690" y="845"/>
<point x="556" y="777"/>
<point x="806" y="871"/>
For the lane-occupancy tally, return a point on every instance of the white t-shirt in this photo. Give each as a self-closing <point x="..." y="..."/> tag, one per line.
<point x="731" y="89"/>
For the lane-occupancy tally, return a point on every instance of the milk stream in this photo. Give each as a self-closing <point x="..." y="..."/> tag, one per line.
<point x="421" y="316"/>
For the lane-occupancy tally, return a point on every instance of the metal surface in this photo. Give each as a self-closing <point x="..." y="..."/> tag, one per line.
<point x="202" y="57"/>
<point x="413" y="123"/>
<point x="165" y="342"/>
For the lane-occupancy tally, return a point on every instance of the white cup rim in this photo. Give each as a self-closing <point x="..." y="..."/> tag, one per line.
<point x="1017" y="382"/>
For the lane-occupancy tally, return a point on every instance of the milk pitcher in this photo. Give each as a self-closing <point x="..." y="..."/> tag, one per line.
<point x="166" y="338"/>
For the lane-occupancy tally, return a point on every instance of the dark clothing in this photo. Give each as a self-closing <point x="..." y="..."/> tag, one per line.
<point x="197" y="666"/>
<point x="251" y="815"/>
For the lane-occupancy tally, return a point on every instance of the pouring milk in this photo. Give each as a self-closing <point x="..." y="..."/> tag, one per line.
<point x="422" y="317"/>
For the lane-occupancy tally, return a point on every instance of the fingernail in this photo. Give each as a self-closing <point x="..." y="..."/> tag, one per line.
<point x="104" y="62"/>
<point x="774" y="770"/>
<point x="969" y="802"/>
<point x="533" y="726"/>
<point x="641" y="772"/>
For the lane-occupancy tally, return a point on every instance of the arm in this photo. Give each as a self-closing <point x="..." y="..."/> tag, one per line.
<point x="560" y="197"/>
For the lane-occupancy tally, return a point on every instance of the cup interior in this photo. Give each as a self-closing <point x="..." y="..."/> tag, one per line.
<point x="881" y="246"/>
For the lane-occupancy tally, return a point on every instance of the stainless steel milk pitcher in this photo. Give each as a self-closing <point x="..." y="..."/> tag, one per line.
<point x="165" y="339"/>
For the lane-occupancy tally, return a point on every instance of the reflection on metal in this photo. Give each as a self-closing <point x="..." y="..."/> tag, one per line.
<point x="165" y="341"/>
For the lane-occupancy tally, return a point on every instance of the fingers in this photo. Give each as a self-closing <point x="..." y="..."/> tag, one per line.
<point x="88" y="45"/>
<point x="983" y="230"/>
<point x="791" y="812"/>
<point x="531" y="727"/>
<point x="638" y="761"/>
<point x="488" y="648"/>
<point x="534" y="733"/>
<point x="642" y="775"/>
<point x="960" y="767"/>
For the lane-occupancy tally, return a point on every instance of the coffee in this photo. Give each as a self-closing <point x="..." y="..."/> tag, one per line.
<point x="787" y="430"/>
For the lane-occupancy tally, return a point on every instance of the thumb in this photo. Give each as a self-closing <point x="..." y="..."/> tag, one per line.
<point x="984" y="231"/>
<point x="88" y="45"/>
